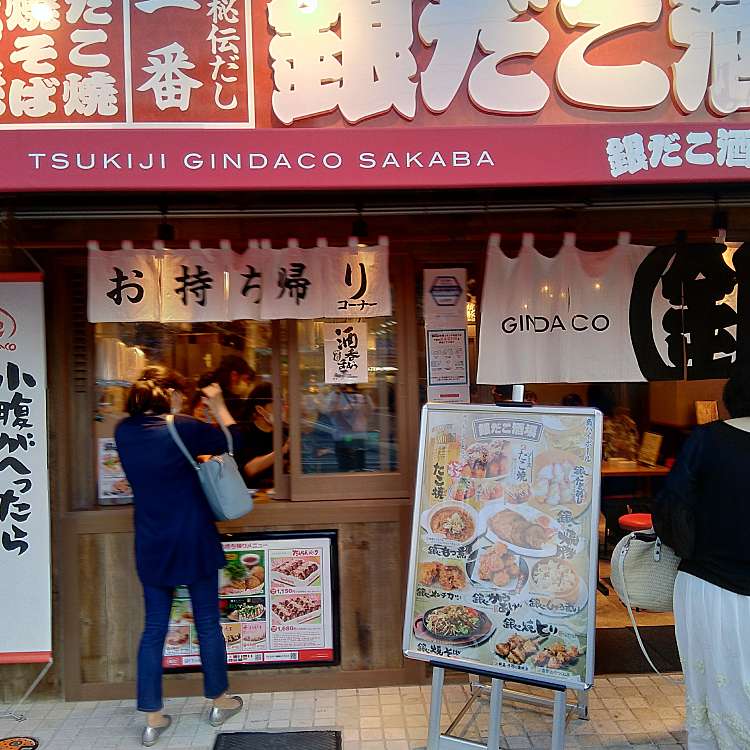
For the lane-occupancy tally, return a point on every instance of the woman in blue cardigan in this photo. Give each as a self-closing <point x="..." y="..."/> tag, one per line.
<point x="176" y="541"/>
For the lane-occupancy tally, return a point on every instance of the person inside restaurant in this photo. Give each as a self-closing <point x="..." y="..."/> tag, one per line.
<point x="572" y="399"/>
<point x="349" y="411"/>
<point x="257" y="459"/>
<point x="236" y="378"/>
<point x="620" y="438"/>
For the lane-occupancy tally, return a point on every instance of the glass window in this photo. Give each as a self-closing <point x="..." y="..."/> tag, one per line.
<point x="349" y="428"/>
<point x="123" y="350"/>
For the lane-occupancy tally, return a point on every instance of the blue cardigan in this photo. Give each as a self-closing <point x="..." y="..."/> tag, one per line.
<point x="176" y="541"/>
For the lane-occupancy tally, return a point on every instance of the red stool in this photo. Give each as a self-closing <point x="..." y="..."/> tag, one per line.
<point x="636" y="522"/>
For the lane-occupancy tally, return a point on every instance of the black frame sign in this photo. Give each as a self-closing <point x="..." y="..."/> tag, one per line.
<point x="279" y="602"/>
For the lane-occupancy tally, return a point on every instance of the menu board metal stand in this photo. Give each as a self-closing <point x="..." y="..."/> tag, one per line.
<point x="436" y="740"/>
<point x="504" y="562"/>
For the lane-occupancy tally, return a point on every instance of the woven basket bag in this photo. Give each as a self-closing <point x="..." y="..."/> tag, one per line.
<point x="644" y="572"/>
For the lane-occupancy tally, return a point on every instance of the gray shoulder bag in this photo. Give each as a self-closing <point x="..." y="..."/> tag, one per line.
<point x="220" y="479"/>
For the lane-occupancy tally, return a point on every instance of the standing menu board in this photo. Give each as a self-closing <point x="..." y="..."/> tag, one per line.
<point x="503" y="568"/>
<point x="278" y="597"/>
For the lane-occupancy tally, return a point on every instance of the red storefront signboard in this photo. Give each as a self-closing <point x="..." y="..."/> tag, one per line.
<point x="282" y="94"/>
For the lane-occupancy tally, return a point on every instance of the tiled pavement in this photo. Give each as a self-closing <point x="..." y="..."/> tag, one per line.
<point x="625" y="712"/>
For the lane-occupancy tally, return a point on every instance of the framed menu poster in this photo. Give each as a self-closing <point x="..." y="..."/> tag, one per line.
<point x="503" y="568"/>
<point x="278" y="598"/>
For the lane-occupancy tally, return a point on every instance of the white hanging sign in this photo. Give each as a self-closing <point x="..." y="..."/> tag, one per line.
<point x="123" y="285"/>
<point x="444" y="295"/>
<point x="345" y="352"/>
<point x="292" y="284"/>
<point x="25" y="583"/>
<point x="357" y="282"/>
<point x="245" y="283"/>
<point x="194" y="286"/>
<point x="560" y="319"/>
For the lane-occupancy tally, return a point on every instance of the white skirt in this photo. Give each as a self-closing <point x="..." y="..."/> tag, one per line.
<point x="713" y="636"/>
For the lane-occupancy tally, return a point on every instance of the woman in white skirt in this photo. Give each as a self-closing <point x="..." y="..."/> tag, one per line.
<point x="704" y="515"/>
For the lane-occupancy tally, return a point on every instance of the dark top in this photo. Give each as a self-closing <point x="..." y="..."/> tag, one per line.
<point x="176" y="541"/>
<point x="255" y="442"/>
<point x="703" y="512"/>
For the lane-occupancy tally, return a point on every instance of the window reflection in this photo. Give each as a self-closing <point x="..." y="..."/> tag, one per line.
<point x="349" y="428"/>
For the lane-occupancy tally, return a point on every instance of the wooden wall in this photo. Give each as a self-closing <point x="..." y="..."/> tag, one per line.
<point x="104" y="608"/>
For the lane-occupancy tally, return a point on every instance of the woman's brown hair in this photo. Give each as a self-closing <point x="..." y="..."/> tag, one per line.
<point x="151" y="392"/>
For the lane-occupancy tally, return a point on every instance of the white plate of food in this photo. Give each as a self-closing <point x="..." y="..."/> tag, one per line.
<point x="560" y="482"/>
<point x="524" y="529"/>
<point x="451" y="522"/>
<point x="556" y="589"/>
<point x="495" y="565"/>
<point x="299" y="609"/>
<point x="296" y="571"/>
<point x="247" y="612"/>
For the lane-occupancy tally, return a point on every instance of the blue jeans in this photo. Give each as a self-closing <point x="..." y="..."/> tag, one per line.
<point x="158" y="601"/>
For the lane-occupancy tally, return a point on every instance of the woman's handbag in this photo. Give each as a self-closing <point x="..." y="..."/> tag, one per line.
<point x="220" y="478"/>
<point x="643" y="575"/>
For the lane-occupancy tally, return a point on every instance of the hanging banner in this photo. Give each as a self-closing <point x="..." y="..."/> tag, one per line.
<point x="504" y="555"/>
<point x="448" y="365"/>
<point x="123" y="286"/>
<point x="25" y="583"/>
<point x="444" y="296"/>
<point x="246" y="283"/>
<point x="292" y="284"/>
<point x="628" y="314"/>
<point x="357" y="282"/>
<point x="345" y="352"/>
<point x="194" y="286"/>
<point x="560" y="319"/>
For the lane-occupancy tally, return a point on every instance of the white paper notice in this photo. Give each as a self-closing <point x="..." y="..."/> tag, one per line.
<point x="448" y="365"/>
<point x="123" y="286"/>
<point x="357" y="282"/>
<point x="245" y="284"/>
<point x="444" y="297"/>
<point x="292" y="284"/>
<point x="194" y="286"/>
<point x="345" y="352"/>
<point x="114" y="488"/>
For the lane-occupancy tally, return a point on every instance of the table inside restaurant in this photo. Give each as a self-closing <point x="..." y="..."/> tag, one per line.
<point x="632" y="469"/>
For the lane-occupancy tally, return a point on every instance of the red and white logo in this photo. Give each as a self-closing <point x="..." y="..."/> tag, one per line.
<point x="8" y="327"/>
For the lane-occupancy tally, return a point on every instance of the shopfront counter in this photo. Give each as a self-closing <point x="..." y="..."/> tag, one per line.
<point x="102" y="604"/>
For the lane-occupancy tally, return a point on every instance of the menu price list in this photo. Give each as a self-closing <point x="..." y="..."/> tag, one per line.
<point x="275" y="599"/>
<point x="502" y="557"/>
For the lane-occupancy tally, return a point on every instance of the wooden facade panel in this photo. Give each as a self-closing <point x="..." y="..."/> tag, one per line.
<point x="372" y="585"/>
<point x="92" y="595"/>
<point x="372" y="589"/>
<point x="122" y="608"/>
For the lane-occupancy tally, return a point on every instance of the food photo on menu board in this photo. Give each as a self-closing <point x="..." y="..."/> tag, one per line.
<point x="503" y="564"/>
<point x="277" y="598"/>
